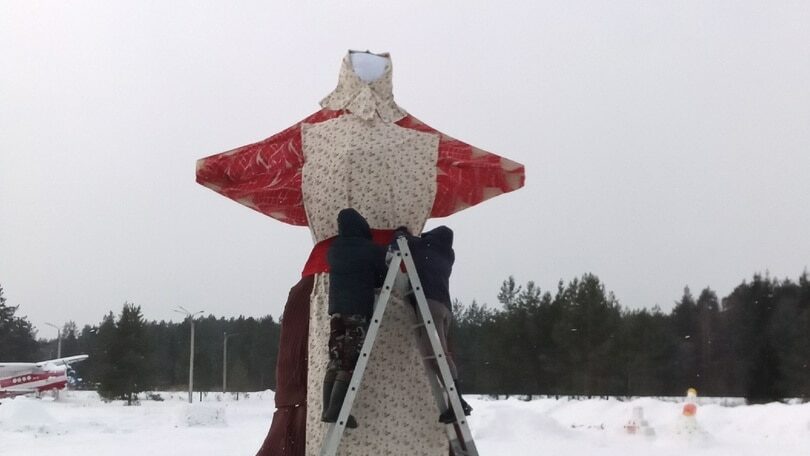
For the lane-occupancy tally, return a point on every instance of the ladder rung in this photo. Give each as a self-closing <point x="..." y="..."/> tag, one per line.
<point x="433" y="356"/>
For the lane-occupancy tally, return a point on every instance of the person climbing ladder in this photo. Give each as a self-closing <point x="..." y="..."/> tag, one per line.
<point x="357" y="268"/>
<point x="433" y="256"/>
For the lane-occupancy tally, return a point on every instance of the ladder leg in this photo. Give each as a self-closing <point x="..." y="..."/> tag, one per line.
<point x="452" y="431"/>
<point x="461" y="426"/>
<point x="334" y="433"/>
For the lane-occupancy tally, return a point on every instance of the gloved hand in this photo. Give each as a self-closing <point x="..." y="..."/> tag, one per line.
<point x="402" y="230"/>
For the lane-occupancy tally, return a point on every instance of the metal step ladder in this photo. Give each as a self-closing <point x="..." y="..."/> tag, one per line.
<point x="458" y="433"/>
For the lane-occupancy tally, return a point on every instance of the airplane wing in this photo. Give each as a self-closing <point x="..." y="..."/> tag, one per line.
<point x="64" y="361"/>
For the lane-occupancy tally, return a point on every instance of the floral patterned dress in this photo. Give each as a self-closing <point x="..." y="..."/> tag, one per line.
<point x="365" y="152"/>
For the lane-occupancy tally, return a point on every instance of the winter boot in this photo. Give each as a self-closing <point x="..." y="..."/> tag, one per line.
<point x="449" y="416"/>
<point x="336" y="402"/>
<point x="328" y="384"/>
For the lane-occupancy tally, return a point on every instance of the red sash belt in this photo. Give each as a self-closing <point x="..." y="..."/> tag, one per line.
<point x="317" y="258"/>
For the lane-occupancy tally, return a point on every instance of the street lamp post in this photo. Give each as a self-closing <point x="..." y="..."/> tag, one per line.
<point x="58" y="339"/>
<point x="225" y="337"/>
<point x="190" y="317"/>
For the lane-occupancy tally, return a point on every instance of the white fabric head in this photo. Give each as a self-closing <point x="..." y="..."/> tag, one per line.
<point x="369" y="67"/>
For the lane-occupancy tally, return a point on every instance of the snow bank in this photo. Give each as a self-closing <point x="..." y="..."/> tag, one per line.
<point x="201" y="415"/>
<point x="79" y="423"/>
<point x="28" y="415"/>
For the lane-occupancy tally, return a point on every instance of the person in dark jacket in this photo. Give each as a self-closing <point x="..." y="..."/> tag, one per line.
<point x="357" y="268"/>
<point x="433" y="256"/>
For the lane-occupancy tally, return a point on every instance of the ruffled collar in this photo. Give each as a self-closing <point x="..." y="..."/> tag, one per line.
<point x="367" y="100"/>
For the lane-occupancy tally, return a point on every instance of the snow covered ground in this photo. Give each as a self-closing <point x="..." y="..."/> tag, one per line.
<point x="80" y="424"/>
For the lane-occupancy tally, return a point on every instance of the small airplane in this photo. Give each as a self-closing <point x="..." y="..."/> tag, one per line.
<point x="25" y="378"/>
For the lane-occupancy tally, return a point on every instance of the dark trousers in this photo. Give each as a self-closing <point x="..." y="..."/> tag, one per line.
<point x="443" y="319"/>
<point x="347" y="333"/>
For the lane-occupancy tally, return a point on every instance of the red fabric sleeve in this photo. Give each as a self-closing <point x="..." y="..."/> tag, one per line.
<point x="467" y="175"/>
<point x="264" y="176"/>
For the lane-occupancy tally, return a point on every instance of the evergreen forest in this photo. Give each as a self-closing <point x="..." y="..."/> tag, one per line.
<point x="574" y="340"/>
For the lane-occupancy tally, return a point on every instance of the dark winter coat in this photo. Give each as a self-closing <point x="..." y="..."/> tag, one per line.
<point x="433" y="256"/>
<point x="357" y="266"/>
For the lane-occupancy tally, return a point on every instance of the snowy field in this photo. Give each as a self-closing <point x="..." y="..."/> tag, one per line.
<point x="80" y="424"/>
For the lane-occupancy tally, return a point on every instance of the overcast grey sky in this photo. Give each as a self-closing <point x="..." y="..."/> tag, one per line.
<point x="666" y="143"/>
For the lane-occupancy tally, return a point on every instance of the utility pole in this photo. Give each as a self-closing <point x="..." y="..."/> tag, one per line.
<point x="190" y="316"/>
<point x="225" y="337"/>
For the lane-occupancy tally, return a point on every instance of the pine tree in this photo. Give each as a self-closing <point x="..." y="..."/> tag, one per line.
<point x="647" y="348"/>
<point x="238" y="377"/>
<point x="127" y="371"/>
<point x="101" y="360"/>
<point x="164" y="353"/>
<point x="587" y="334"/>
<point x="509" y="292"/>
<point x="70" y="340"/>
<point x="17" y="341"/>
<point x="86" y="371"/>
<point x="469" y="343"/>
<point x="755" y="367"/>
<point x="706" y="339"/>
<point x="684" y="368"/>
<point x="803" y="324"/>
